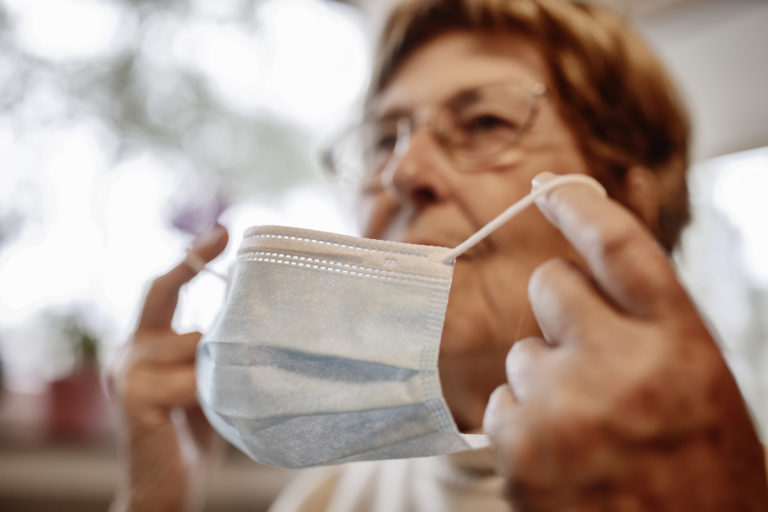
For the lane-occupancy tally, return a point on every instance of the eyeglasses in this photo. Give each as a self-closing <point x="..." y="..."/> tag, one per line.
<point x="476" y="127"/>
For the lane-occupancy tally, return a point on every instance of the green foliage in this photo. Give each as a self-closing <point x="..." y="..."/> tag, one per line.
<point x="83" y="339"/>
<point x="147" y="102"/>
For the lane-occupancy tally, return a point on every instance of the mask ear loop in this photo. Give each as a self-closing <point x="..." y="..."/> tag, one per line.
<point x="516" y="208"/>
<point x="196" y="263"/>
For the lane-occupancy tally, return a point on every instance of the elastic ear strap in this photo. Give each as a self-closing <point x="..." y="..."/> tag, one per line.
<point x="476" y="441"/>
<point x="516" y="208"/>
<point x="196" y="263"/>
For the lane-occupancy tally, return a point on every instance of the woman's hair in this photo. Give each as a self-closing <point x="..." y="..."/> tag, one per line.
<point x="610" y="88"/>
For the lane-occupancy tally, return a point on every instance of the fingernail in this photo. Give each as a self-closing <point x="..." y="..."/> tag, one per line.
<point x="211" y="237"/>
<point x="540" y="179"/>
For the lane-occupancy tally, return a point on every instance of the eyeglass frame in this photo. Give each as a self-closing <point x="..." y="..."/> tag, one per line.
<point x="425" y="116"/>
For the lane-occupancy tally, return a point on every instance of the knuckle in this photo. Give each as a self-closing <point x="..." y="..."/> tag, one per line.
<point x="519" y="354"/>
<point x="518" y="349"/>
<point x="625" y="245"/>
<point x="158" y="284"/>
<point x="547" y="269"/>
<point x="546" y="275"/>
<point x="614" y="237"/>
<point x="524" y="363"/>
<point x="619" y="240"/>
<point x="132" y="393"/>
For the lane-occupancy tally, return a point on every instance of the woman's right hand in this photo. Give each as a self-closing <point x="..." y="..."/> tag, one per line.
<point x="165" y="440"/>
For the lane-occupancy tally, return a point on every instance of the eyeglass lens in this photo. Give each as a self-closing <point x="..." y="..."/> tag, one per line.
<point x="474" y="127"/>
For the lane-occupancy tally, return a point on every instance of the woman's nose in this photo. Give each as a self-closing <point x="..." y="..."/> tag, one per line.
<point x="420" y="175"/>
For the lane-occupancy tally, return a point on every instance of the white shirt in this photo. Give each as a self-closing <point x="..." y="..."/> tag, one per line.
<point x="461" y="482"/>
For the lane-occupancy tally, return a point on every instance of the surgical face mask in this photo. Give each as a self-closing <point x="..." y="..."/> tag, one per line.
<point x="326" y="350"/>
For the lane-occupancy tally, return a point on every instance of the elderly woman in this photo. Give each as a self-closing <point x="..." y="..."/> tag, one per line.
<point x="567" y="335"/>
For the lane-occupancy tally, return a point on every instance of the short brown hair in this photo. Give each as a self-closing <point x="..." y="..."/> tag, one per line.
<point x="611" y="90"/>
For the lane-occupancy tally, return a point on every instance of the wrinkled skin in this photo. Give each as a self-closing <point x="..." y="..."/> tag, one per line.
<point x="613" y="397"/>
<point x="166" y="442"/>
<point x="624" y="403"/>
<point x="434" y="200"/>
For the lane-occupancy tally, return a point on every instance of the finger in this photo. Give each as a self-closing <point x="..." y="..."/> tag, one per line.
<point x="501" y="409"/>
<point x="171" y="348"/>
<point x="510" y="430"/>
<point x="526" y="364"/>
<point x="522" y="445"/>
<point x="625" y="260"/>
<point x="155" y="386"/>
<point x="566" y="304"/>
<point x="163" y="294"/>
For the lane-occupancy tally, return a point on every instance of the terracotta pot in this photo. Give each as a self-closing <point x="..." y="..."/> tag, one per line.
<point x="78" y="408"/>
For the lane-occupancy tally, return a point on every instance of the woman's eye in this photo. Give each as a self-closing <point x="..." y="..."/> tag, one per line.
<point x="385" y="142"/>
<point x="382" y="137"/>
<point x="487" y="122"/>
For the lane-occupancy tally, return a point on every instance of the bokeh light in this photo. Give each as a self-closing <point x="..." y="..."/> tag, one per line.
<point x="128" y="127"/>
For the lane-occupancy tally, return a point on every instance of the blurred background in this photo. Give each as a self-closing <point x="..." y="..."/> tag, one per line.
<point x="128" y="127"/>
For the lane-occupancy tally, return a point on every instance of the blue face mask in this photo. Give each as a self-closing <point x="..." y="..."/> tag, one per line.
<point x="326" y="350"/>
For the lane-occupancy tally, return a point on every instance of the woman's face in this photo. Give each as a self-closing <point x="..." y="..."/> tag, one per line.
<point x="433" y="200"/>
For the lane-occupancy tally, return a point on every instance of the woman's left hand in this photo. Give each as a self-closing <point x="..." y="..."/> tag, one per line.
<point x="626" y="403"/>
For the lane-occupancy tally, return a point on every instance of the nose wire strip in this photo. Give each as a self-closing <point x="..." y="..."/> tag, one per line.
<point x="196" y="263"/>
<point x="516" y="208"/>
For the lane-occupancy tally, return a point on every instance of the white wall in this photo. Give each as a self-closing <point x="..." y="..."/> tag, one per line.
<point x="717" y="52"/>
